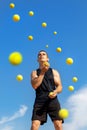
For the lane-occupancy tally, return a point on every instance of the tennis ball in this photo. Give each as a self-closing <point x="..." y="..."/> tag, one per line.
<point x="50" y="93"/>
<point x="19" y="77"/>
<point x="30" y="37"/>
<point x="15" y="58"/>
<point x="69" y="61"/>
<point x="31" y="13"/>
<point x="44" y="24"/>
<point x="12" y="5"/>
<point x="47" y="46"/>
<point x="58" y="49"/>
<point x="74" y="79"/>
<point x="16" y="17"/>
<point x="70" y="88"/>
<point x="63" y="113"/>
<point x="54" y="32"/>
<point x="46" y="64"/>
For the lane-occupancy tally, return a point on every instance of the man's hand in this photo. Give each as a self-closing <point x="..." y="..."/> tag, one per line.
<point x="52" y="94"/>
<point x="46" y="66"/>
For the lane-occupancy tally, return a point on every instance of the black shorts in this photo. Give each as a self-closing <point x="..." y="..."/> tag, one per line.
<point x="50" y="107"/>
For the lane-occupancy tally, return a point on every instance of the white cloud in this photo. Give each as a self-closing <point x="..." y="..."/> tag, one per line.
<point x="7" y="128"/>
<point x="21" y="112"/>
<point x="77" y="106"/>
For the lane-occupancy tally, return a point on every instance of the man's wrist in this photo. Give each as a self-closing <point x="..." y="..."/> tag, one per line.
<point x="56" y="91"/>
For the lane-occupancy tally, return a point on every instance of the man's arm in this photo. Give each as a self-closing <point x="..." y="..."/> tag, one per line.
<point x="58" y="84"/>
<point x="36" y="80"/>
<point x="57" y="81"/>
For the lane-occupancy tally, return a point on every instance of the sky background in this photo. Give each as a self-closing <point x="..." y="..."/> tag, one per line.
<point x="69" y="19"/>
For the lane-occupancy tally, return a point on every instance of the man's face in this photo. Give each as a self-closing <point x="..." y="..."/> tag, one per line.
<point x="42" y="56"/>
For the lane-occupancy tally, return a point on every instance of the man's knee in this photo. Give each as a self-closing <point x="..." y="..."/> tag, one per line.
<point x="35" y="125"/>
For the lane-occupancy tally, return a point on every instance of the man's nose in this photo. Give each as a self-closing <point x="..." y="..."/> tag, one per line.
<point x="41" y="54"/>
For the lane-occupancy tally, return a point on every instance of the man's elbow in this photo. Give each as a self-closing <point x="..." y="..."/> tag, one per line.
<point x="34" y="85"/>
<point x="61" y="89"/>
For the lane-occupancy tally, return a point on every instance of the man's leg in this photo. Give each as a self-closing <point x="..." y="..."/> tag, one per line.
<point x="35" y="125"/>
<point x="58" y="124"/>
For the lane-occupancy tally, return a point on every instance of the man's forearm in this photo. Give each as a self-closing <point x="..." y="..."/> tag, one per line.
<point x="37" y="81"/>
<point x="58" y="89"/>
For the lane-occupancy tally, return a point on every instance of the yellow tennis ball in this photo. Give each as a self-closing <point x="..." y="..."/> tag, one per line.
<point x="47" y="46"/>
<point x="63" y="113"/>
<point x="16" y="17"/>
<point x="50" y="93"/>
<point x="44" y="24"/>
<point x="15" y="58"/>
<point x="59" y="49"/>
<point x="74" y="79"/>
<point x="46" y="64"/>
<point x="54" y="32"/>
<point x="69" y="61"/>
<point x="12" y="5"/>
<point x="30" y="37"/>
<point x="71" y="88"/>
<point x="31" y="13"/>
<point x="19" y="77"/>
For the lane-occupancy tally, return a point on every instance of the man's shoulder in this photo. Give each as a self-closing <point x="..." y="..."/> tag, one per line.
<point x="35" y="70"/>
<point x="54" y="70"/>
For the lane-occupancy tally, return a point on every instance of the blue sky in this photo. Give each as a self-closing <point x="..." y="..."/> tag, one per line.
<point x="69" y="19"/>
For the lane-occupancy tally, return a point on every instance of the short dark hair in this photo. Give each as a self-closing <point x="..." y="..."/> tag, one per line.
<point x="43" y="51"/>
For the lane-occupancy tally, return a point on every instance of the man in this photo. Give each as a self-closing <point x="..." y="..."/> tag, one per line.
<point x="45" y="80"/>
